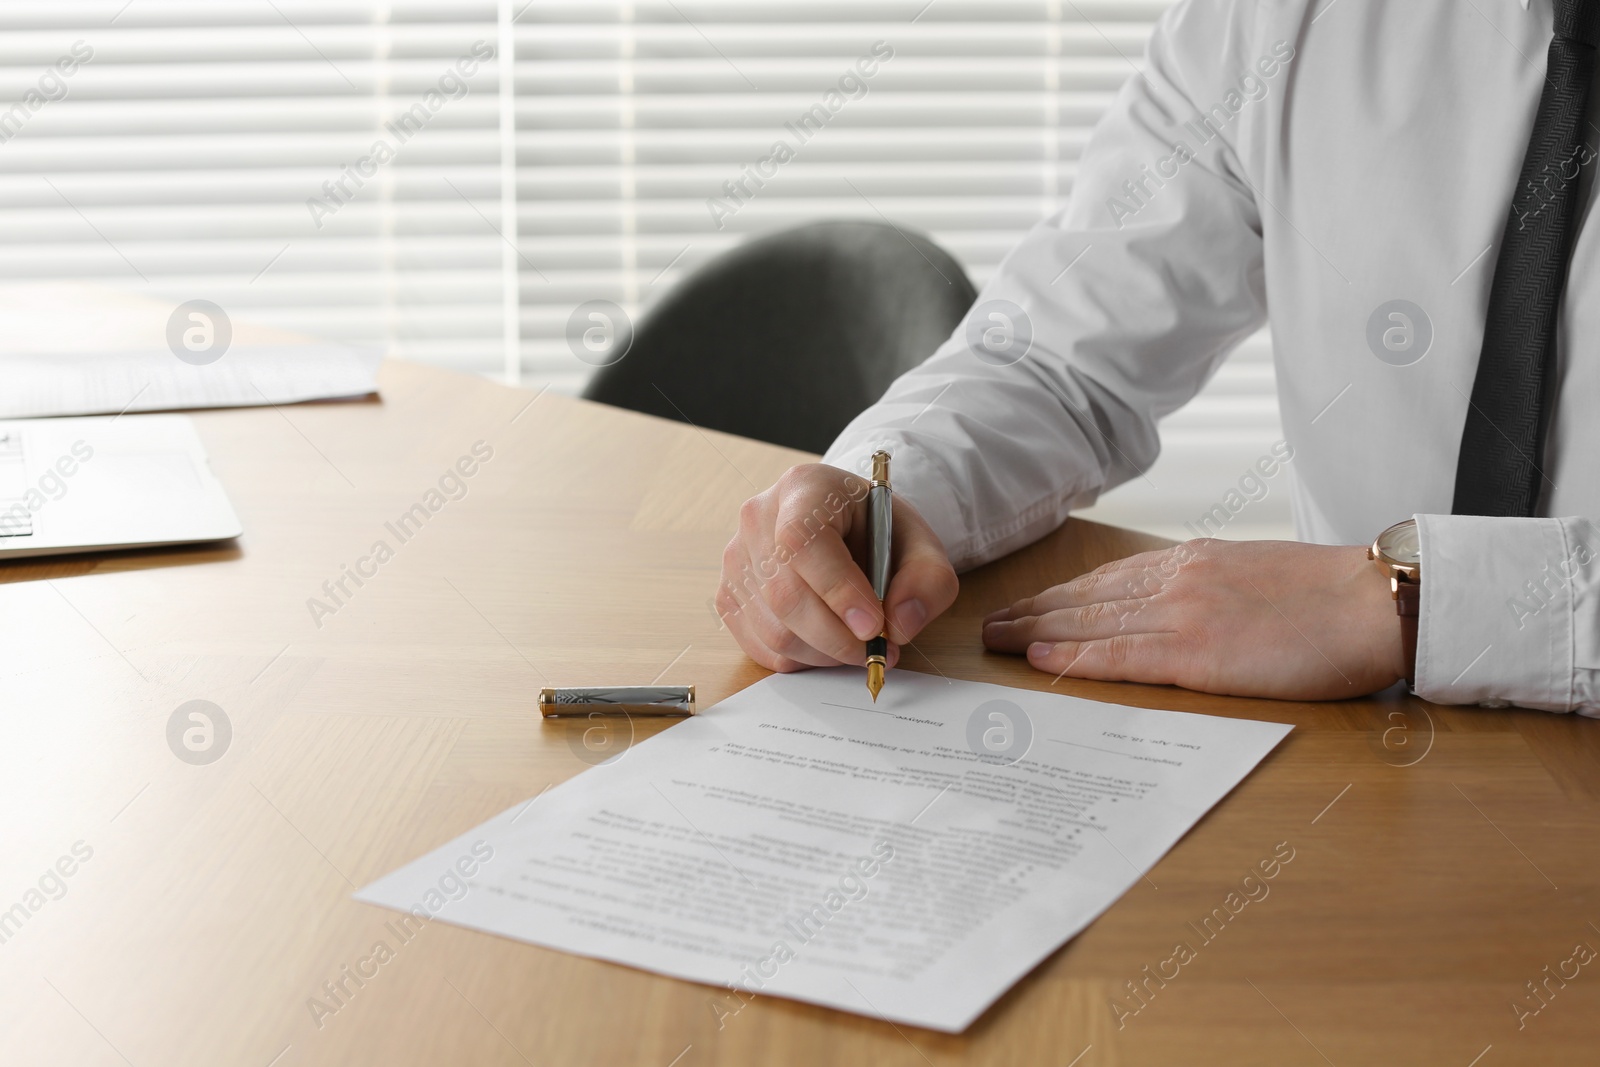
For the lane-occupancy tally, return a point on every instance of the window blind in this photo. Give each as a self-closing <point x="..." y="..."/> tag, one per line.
<point x="643" y="128"/>
<point x="639" y="123"/>
<point x="451" y="179"/>
<point x="228" y="150"/>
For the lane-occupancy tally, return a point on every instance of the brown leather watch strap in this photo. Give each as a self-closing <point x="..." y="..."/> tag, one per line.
<point x="1408" y="605"/>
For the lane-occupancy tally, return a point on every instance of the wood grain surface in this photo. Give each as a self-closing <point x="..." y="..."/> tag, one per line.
<point x="1442" y="858"/>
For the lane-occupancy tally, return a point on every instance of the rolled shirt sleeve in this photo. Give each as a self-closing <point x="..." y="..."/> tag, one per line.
<point x="1114" y="312"/>
<point x="1510" y="612"/>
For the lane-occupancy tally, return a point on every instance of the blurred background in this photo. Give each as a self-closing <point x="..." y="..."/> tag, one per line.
<point x="332" y="168"/>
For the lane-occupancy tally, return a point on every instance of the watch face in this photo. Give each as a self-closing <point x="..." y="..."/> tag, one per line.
<point x="1401" y="544"/>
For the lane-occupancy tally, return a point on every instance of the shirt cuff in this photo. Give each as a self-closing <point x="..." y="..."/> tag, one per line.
<point x="1500" y="620"/>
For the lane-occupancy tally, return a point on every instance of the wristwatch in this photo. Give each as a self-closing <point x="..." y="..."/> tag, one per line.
<point x="1398" y="553"/>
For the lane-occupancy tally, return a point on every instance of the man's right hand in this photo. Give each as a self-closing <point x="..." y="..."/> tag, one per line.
<point x="794" y="591"/>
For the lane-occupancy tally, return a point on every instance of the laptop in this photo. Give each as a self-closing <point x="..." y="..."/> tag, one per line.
<point x="124" y="481"/>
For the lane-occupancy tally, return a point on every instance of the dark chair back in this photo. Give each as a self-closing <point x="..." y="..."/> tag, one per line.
<point x="790" y="336"/>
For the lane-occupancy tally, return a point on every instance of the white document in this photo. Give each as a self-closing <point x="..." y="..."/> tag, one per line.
<point x="908" y="860"/>
<point x="79" y="349"/>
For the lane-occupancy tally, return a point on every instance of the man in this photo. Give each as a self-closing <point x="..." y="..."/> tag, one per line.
<point x="1399" y="188"/>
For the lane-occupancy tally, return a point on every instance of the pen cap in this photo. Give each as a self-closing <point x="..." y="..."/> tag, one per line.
<point x="616" y="700"/>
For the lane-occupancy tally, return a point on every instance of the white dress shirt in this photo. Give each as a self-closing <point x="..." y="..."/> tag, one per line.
<point x="1304" y="164"/>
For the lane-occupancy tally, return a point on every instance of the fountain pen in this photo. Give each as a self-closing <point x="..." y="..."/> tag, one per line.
<point x="880" y="535"/>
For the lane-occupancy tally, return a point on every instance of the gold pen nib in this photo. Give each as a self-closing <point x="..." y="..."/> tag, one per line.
<point x="874" y="679"/>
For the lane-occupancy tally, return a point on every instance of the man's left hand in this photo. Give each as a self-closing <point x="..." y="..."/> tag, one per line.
<point x="1244" y="618"/>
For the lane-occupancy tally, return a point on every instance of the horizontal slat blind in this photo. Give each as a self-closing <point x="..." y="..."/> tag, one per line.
<point x="632" y="115"/>
<point x="177" y="160"/>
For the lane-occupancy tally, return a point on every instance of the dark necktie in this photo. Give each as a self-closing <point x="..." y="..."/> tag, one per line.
<point x="1500" y="470"/>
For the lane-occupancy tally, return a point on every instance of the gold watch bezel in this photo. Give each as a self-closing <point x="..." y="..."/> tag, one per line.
<point x="1397" y="570"/>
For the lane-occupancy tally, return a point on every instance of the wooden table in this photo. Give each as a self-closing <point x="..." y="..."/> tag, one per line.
<point x="1442" y="858"/>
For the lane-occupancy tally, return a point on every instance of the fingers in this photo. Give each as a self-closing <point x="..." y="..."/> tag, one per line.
<point x="795" y="606"/>
<point x="822" y="577"/>
<point x="758" y="632"/>
<point x="767" y="641"/>
<point x="1129" y="578"/>
<point x="795" y="594"/>
<point x="1149" y="658"/>
<point x="1092" y="588"/>
<point x="1089" y="622"/>
<point x="817" y="589"/>
<point x="777" y="615"/>
<point x="923" y="584"/>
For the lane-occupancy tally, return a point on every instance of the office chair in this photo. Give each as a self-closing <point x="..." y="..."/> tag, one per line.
<point x="788" y="337"/>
